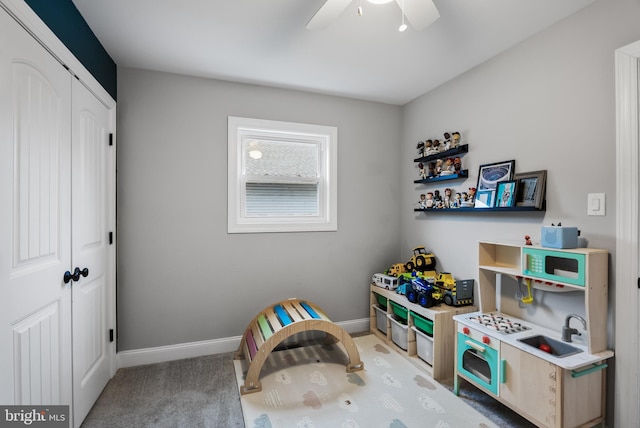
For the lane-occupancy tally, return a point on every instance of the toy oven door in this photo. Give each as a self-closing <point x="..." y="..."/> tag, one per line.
<point x="478" y="362"/>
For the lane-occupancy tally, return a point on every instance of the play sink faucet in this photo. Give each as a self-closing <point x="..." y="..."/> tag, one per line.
<point x="567" y="331"/>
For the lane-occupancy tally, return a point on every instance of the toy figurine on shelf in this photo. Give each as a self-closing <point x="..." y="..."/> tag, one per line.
<point x="527" y="240"/>
<point x="420" y="148"/>
<point x="457" y="201"/>
<point x="423" y="172"/>
<point x="422" y="203"/>
<point x="435" y="146"/>
<point x="438" y="167"/>
<point x="448" y="167"/>
<point x="455" y="140"/>
<point x="429" y="201"/>
<point x="457" y="164"/>
<point x="428" y="148"/>
<point x="447" y="141"/>
<point x="432" y="169"/>
<point x="472" y="194"/>
<point x="447" y="198"/>
<point x="444" y="169"/>
<point x="466" y="202"/>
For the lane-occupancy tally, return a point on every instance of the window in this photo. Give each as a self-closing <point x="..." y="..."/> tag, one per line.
<point x="282" y="176"/>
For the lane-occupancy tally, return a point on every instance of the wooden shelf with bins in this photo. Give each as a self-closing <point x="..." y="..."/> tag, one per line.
<point x="443" y="330"/>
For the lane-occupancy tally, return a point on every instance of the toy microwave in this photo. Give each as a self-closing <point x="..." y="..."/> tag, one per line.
<point x="554" y="266"/>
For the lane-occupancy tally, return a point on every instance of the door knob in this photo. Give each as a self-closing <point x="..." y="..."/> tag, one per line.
<point x="77" y="272"/>
<point x="75" y="276"/>
<point x="67" y="277"/>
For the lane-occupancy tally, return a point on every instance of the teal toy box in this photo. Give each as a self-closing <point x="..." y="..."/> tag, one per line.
<point x="559" y="237"/>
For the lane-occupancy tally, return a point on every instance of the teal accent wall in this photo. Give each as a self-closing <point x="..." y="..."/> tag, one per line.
<point x="64" y="19"/>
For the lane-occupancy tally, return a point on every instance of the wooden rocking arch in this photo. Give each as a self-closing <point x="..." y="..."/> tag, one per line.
<point x="280" y="321"/>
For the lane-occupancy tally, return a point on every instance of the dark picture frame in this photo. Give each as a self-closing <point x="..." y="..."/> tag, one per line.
<point x="506" y="194"/>
<point x="484" y="199"/>
<point x="530" y="188"/>
<point x="489" y="175"/>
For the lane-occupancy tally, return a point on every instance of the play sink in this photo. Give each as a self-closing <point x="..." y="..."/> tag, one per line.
<point x="558" y="348"/>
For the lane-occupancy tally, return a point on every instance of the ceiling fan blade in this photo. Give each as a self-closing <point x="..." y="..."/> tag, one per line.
<point x="420" y="13"/>
<point x="329" y="12"/>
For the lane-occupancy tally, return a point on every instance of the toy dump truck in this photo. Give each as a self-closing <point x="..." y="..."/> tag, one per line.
<point x="421" y="260"/>
<point x="396" y="269"/>
<point x="452" y="292"/>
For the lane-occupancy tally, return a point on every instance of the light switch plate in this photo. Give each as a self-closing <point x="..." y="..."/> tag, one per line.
<point x="596" y="204"/>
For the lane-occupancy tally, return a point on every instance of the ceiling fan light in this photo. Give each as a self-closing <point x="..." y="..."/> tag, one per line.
<point x="379" y="1"/>
<point x="403" y="28"/>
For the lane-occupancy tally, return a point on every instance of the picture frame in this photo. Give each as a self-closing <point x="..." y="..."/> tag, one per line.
<point x="531" y="188"/>
<point x="506" y="194"/>
<point x="489" y="175"/>
<point x="484" y="199"/>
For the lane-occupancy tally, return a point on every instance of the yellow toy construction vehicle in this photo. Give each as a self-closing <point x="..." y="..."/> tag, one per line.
<point x="421" y="260"/>
<point x="396" y="269"/>
<point x="448" y="290"/>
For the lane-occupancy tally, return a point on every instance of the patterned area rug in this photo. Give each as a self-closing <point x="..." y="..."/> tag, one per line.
<point x="309" y="387"/>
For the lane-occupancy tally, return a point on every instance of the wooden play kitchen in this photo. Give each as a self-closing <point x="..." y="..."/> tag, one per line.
<point x="425" y="334"/>
<point x="540" y="373"/>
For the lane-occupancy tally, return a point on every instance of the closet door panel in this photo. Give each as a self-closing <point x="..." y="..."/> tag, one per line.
<point x="90" y="248"/>
<point x="35" y="221"/>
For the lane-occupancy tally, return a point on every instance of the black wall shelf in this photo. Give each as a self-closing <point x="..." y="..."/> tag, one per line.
<point x="462" y="174"/>
<point x="464" y="148"/>
<point x="478" y="210"/>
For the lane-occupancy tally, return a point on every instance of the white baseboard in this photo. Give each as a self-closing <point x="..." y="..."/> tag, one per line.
<point x="161" y="354"/>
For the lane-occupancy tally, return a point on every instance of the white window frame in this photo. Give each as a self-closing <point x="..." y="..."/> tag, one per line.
<point x="326" y="137"/>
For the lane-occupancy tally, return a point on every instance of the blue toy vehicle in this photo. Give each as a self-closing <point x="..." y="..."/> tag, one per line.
<point x="418" y="289"/>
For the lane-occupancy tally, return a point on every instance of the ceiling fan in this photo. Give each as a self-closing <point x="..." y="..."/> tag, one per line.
<point x="420" y="13"/>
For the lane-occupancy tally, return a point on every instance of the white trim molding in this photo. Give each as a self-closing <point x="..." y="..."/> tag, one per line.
<point x="162" y="354"/>
<point x="245" y="133"/>
<point x="627" y="362"/>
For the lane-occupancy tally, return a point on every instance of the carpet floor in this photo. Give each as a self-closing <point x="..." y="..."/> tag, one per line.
<point x="202" y="392"/>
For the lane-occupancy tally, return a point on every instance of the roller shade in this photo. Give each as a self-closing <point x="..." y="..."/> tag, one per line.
<point x="281" y="199"/>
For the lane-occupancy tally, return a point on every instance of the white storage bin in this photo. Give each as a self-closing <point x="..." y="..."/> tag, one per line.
<point x="398" y="332"/>
<point x="424" y="344"/>
<point x="381" y="319"/>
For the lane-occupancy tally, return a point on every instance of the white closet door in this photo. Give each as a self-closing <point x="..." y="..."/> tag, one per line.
<point x="35" y="221"/>
<point x="90" y="247"/>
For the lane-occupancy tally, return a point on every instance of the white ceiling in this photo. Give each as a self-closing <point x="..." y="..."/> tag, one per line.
<point x="265" y="41"/>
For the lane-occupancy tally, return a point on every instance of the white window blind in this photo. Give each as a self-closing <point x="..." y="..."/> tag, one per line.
<point x="281" y="199"/>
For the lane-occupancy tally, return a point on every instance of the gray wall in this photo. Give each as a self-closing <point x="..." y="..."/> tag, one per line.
<point x="181" y="277"/>
<point x="549" y="104"/>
